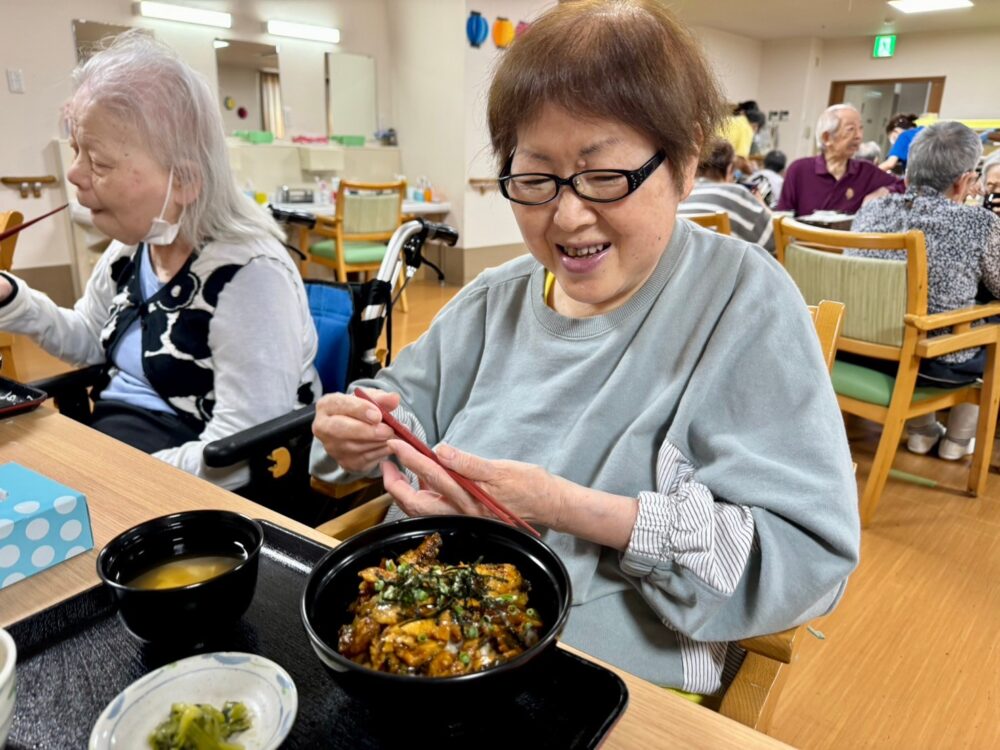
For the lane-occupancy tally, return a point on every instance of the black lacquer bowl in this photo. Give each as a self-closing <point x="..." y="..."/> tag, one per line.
<point x="333" y="585"/>
<point x="185" y="614"/>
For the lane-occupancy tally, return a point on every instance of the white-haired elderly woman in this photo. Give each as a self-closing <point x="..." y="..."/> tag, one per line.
<point x="195" y="307"/>
<point x="963" y="251"/>
<point x="834" y="180"/>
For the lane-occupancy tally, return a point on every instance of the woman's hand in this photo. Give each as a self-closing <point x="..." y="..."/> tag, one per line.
<point x="524" y="489"/>
<point x="351" y="429"/>
<point x="6" y="288"/>
<point x="528" y="491"/>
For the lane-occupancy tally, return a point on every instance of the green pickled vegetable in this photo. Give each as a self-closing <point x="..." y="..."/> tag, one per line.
<point x="199" y="726"/>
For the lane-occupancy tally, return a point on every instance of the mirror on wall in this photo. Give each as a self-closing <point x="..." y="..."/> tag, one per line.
<point x="90" y="36"/>
<point x="249" y="86"/>
<point x="350" y="95"/>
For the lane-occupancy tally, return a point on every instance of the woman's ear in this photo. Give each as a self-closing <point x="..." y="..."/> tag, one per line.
<point x="689" y="170"/>
<point x="187" y="184"/>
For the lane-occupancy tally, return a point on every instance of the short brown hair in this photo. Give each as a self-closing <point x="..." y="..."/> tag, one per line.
<point x="716" y="159"/>
<point x="624" y="60"/>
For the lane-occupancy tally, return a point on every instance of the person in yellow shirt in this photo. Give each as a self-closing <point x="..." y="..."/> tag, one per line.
<point x="738" y="131"/>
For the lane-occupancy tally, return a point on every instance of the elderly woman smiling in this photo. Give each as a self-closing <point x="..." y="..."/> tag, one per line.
<point x="835" y="180"/>
<point x="195" y="308"/>
<point x="650" y="394"/>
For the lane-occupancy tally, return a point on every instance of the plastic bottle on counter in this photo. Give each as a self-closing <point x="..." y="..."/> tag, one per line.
<point x="428" y="191"/>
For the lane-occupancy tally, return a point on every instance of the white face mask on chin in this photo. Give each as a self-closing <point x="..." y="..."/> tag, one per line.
<point x="161" y="232"/>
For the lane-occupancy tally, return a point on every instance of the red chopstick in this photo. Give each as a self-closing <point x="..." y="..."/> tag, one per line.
<point x="466" y="484"/>
<point x="14" y="230"/>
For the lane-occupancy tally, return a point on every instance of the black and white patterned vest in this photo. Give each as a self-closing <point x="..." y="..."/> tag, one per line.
<point x="175" y="323"/>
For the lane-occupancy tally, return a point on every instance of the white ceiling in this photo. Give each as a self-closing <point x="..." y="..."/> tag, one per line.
<point x="777" y="19"/>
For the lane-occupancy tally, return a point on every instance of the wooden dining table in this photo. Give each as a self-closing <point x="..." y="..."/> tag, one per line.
<point x="124" y="487"/>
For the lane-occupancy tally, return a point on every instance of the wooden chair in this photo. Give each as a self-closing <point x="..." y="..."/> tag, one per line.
<point x="8" y="219"/>
<point x="355" y="238"/>
<point x="753" y="694"/>
<point x="888" y="320"/>
<point x="719" y="221"/>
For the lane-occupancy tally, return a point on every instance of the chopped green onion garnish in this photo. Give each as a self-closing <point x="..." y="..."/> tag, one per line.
<point x="530" y="612"/>
<point x="512" y="609"/>
<point x="464" y="658"/>
<point x="471" y="631"/>
<point x="379" y="585"/>
<point x="390" y="565"/>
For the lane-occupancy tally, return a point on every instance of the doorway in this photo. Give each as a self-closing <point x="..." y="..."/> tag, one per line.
<point x="879" y="100"/>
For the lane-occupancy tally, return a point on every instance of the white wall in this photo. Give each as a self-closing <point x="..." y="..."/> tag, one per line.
<point x="971" y="88"/>
<point x="243" y="85"/>
<point x="736" y="61"/>
<point x="426" y="37"/>
<point x="789" y="74"/>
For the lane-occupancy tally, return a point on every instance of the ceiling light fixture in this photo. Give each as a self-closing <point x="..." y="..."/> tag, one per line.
<point x="304" y="31"/>
<point x="169" y="12"/>
<point x="926" y="6"/>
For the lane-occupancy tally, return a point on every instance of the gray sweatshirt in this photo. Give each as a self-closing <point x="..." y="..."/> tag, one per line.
<point x="706" y="397"/>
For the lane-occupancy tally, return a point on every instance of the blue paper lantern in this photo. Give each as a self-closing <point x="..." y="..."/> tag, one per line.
<point x="477" y="28"/>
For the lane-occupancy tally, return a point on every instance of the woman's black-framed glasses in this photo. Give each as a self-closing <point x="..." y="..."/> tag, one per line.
<point x="597" y="185"/>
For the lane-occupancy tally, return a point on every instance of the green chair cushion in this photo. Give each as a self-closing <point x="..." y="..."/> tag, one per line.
<point x="354" y="252"/>
<point x="872" y="386"/>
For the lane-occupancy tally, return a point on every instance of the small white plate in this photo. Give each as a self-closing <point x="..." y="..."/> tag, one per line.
<point x="261" y="685"/>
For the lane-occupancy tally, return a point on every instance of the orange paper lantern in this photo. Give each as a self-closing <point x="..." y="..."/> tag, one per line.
<point x="503" y="32"/>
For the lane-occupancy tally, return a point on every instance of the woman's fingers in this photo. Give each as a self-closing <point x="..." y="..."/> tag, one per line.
<point x="435" y="478"/>
<point x="413" y="502"/>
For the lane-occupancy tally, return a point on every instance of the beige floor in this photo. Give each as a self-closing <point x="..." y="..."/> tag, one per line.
<point x="911" y="658"/>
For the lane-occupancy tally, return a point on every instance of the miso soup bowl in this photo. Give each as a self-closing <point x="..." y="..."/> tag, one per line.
<point x="333" y="586"/>
<point x="184" y="614"/>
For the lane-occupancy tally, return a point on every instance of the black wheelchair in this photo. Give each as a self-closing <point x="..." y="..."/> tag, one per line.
<point x="349" y="321"/>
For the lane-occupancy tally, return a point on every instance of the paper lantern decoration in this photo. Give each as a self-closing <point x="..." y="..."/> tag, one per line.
<point x="242" y="113"/>
<point x="503" y="32"/>
<point x="522" y="26"/>
<point x="476" y="28"/>
<point x="229" y="103"/>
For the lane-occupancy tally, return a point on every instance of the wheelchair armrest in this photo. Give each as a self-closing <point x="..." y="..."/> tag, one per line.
<point x="80" y="379"/>
<point x="243" y="445"/>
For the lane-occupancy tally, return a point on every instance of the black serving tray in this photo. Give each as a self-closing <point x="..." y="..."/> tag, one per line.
<point x="75" y="657"/>
<point x="16" y="397"/>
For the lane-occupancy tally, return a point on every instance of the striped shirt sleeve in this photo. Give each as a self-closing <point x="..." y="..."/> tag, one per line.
<point x="682" y="523"/>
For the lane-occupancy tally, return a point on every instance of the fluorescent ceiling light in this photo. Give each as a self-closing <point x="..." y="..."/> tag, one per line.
<point x="220" y="43"/>
<point x="925" y="6"/>
<point x="304" y="31"/>
<point x="170" y="12"/>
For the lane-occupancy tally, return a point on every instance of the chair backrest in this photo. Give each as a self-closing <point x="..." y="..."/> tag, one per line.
<point x="828" y="317"/>
<point x="370" y="211"/>
<point x="719" y="221"/>
<point x="877" y="292"/>
<point x="8" y="219"/>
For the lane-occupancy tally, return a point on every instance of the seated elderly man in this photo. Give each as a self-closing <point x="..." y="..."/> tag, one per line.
<point x="963" y="249"/>
<point x="991" y="183"/>
<point x="715" y="190"/>
<point x="834" y="180"/>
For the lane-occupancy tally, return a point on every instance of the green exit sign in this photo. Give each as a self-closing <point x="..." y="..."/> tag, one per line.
<point x="885" y="45"/>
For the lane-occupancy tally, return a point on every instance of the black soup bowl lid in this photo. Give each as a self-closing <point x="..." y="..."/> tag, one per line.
<point x="333" y="585"/>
